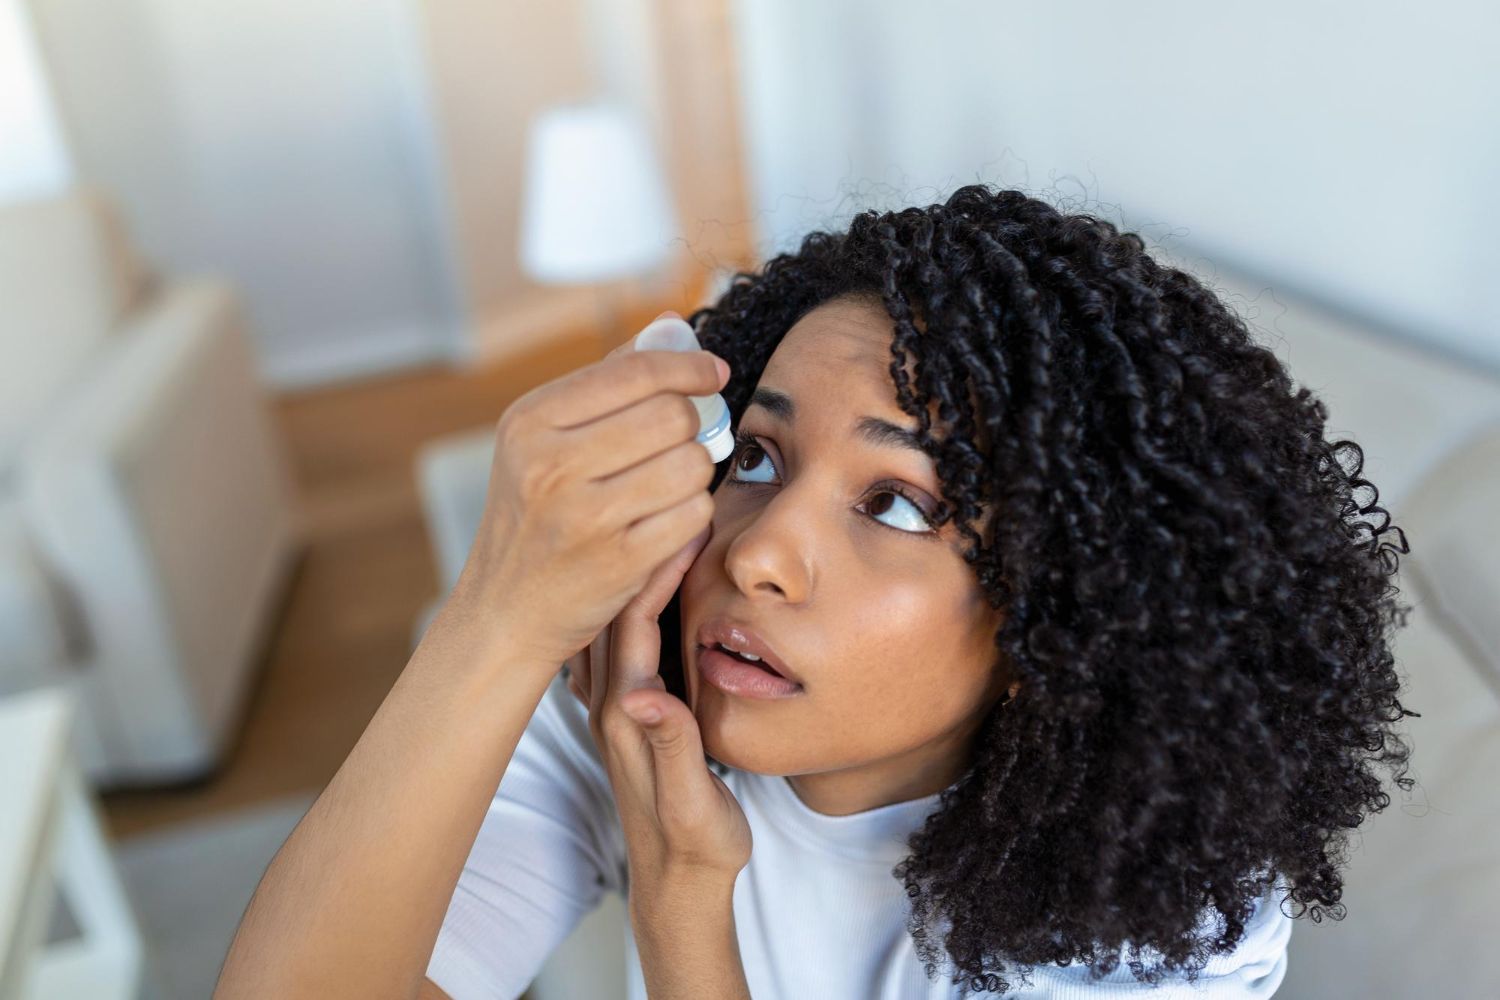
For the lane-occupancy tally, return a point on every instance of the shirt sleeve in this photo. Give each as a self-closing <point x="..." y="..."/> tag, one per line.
<point x="1254" y="969"/>
<point x="548" y="849"/>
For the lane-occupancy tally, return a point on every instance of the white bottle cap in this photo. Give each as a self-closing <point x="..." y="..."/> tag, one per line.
<point x="672" y="333"/>
<point x="669" y="333"/>
<point x="718" y="439"/>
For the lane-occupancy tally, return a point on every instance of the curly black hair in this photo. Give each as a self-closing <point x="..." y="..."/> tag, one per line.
<point x="1199" y="603"/>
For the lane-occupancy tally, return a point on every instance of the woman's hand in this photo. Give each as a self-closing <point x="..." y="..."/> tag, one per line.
<point x="682" y="824"/>
<point x="596" y="477"/>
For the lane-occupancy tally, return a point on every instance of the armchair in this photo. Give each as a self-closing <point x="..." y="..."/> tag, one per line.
<point x="147" y="523"/>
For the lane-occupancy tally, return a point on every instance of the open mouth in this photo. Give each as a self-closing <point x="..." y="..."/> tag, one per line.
<point x="746" y="658"/>
<point x="737" y="674"/>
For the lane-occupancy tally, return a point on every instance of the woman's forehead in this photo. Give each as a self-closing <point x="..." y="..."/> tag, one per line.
<point x="844" y="343"/>
<point x="836" y="361"/>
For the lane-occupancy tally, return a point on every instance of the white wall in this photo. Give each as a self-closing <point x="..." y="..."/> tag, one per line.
<point x="281" y="143"/>
<point x="492" y="66"/>
<point x="1348" y="152"/>
<point x="33" y="154"/>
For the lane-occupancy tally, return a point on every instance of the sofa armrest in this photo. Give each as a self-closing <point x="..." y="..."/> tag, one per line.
<point x="157" y="492"/>
<point x="33" y="645"/>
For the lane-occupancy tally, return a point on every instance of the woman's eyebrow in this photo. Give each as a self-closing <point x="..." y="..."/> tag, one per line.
<point x="873" y="430"/>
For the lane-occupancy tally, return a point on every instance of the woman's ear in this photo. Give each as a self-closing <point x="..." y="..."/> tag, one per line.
<point x="1006" y="694"/>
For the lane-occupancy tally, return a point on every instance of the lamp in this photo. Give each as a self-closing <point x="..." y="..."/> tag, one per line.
<point x="596" y="205"/>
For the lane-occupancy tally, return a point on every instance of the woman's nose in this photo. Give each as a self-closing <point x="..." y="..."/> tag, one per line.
<point x="769" y="555"/>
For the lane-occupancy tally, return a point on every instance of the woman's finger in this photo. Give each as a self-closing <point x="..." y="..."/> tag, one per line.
<point x="677" y="755"/>
<point x="598" y="656"/>
<point x="576" y="669"/>
<point x="635" y="655"/>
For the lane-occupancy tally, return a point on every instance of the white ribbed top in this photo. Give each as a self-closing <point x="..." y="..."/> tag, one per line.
<point x="817" y="911"/>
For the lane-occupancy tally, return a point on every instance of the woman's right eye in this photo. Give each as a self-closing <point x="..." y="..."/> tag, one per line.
<point x="744" y="444"/>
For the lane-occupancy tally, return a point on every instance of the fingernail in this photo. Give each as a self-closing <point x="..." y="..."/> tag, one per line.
<point x="723" y="367"/>
<point x="669" y="312"/>
<point x="646" y="715"/>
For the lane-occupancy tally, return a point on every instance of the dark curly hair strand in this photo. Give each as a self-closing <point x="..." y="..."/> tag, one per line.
<point x="1198" y="605"/>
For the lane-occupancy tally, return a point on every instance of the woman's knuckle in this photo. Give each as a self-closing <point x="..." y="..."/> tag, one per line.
<point x="703" y="509"/>
<point x="544" y="474"/>
<point x="516" y="424"/>
<point x="641" y="371"/>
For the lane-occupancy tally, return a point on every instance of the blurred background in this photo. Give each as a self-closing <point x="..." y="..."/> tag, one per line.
<point x="270" y="272"/>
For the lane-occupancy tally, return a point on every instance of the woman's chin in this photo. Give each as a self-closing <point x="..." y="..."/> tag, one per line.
<point x="743" y="751"/>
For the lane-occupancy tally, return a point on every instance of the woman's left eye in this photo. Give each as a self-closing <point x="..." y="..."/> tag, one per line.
<point x="911" y="511"/>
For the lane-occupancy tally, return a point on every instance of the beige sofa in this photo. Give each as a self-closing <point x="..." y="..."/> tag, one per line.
<point x="1423" y="887"/>
<point x="147" y="523"/>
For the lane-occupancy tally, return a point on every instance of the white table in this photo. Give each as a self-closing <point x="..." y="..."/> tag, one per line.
<point x="52" y="843"/>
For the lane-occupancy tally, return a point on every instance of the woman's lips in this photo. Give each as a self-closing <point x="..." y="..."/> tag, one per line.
<point x="739" y="636"/>
<point x="735" y="676"/>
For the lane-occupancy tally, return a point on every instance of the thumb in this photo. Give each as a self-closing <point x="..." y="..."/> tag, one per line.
<point x="676" y="743"/>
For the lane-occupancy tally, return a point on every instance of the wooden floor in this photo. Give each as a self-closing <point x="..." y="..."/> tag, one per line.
<point x="344" y="628"/>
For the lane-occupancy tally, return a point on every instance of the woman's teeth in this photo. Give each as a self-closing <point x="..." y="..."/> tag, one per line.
<point x="743" y="656"/>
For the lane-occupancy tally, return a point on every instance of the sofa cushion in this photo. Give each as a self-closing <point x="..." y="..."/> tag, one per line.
<point x="1455" y="557"/>
<point x="1422" y="881"/>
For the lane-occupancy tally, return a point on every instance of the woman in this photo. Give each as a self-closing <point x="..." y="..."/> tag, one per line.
<point x="1081" y="628"/>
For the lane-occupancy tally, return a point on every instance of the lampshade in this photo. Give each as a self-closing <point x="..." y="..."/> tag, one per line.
<point x="595" y="205"/>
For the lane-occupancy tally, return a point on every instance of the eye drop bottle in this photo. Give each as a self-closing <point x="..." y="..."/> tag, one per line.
<point x="672" y="333"/>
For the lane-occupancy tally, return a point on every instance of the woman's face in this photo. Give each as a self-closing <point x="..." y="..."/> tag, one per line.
<point x="876" y="614"/>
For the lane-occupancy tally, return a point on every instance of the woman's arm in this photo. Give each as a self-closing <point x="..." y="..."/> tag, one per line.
<point x="352" y="903"/>
<point x="686" y="940"/>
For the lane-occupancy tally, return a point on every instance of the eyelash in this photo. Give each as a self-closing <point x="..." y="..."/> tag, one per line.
<point x="743" y="440"/>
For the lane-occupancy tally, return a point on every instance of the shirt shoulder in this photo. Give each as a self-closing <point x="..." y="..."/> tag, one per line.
<point x="1254" y="969"/>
